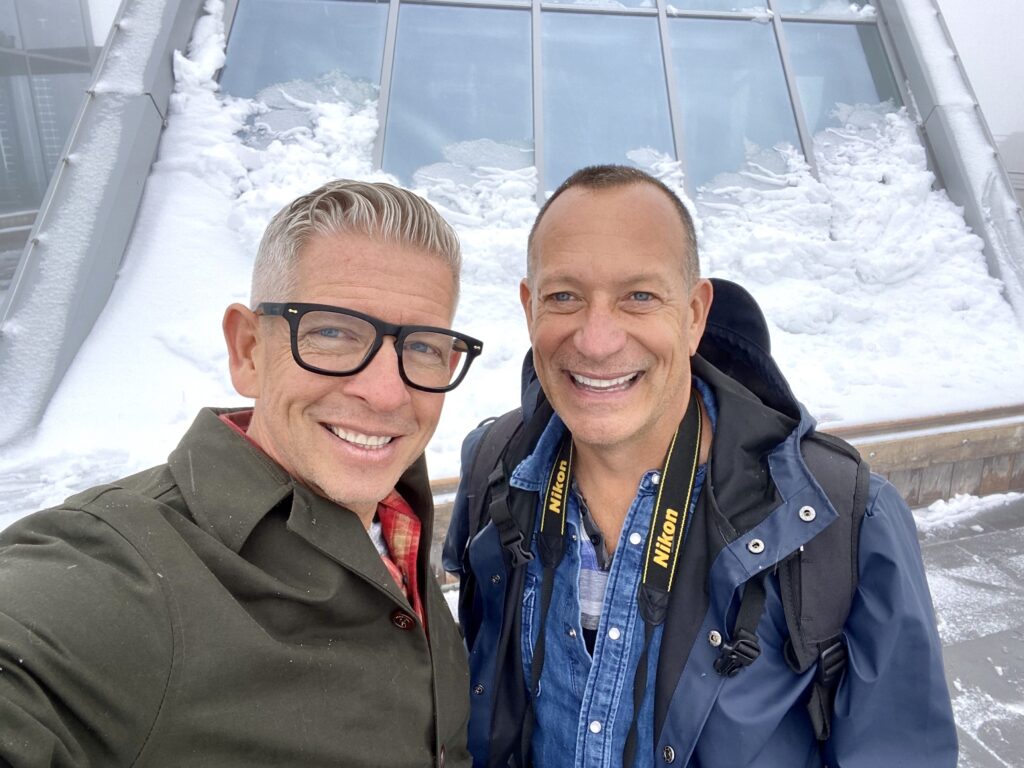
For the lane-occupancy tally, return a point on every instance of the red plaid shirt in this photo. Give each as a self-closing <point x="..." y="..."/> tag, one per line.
<point x="401" y="529"/>
<point x="399" y="526"/>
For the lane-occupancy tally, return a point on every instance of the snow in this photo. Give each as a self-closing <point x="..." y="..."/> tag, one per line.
<point x="877" y="293"/>
<point x="878" y="296"/>
<point x="962" y="507"/>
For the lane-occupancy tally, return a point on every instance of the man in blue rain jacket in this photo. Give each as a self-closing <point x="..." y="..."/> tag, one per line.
<point x="659" y="491"/>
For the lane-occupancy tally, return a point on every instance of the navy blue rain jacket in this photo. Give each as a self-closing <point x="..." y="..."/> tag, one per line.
<point x="892" y="706"/>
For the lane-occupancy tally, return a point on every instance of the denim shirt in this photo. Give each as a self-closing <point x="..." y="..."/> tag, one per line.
<point x="598" y="689"/>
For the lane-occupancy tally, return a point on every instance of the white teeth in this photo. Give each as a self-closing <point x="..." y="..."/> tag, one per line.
<point x="602" y="383"/>
<point x="364" y="441"/>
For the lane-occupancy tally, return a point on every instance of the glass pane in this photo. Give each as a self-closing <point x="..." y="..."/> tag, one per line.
<point x="604" y="91"/>
<point x="608" y="3"/>
<point x="461" y="89"/>
<point x="275" y="41"/>
<point x="732" y="94"/>
<point x="838" y="64"/>
<point x="858" y="8"/>
<point x="9" y="37"/>
<point x="21" y="175"/>
<point x="751" y="6"/>
<point x="58" y="99"/>
<point x="51" y="25"/>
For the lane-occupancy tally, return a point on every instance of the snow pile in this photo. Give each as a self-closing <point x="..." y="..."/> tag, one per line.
<point x="879" y="299"/>
<point x="878" y="296"/>
<point x="960" y="509"/>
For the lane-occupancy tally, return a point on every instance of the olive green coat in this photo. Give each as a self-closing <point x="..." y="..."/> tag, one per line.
<point x="212" y="612"/>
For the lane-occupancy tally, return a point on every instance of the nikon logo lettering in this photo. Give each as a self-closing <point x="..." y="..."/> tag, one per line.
<point x="558" y="489"/>
<point x="663" y="544"/>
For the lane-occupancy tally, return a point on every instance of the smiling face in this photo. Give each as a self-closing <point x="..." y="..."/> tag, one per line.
<point x="612" y="317"/>
<point x="348" y="438"/>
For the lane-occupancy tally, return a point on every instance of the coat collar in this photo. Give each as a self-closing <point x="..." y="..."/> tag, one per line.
<point x="230" y="485"/>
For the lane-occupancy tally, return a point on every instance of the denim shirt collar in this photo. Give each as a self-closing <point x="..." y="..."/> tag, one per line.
<point x="531" y="473"/>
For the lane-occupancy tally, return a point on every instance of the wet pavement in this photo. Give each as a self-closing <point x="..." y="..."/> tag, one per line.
<point x="976" y="573"/>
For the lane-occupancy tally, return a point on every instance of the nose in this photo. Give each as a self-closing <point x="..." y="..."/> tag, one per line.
<point x="601" y="335"/>
<point x="379" y="384"/>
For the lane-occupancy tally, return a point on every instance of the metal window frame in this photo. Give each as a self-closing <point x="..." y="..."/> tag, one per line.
<point x="663" y="14"/>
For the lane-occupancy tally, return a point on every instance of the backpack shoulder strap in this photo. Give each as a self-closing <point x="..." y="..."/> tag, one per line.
<point x="819" y="582"/>
<point x="489" y="451"/>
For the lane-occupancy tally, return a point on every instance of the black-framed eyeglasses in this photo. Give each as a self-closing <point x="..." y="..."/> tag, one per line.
<point x="334" y="341"/>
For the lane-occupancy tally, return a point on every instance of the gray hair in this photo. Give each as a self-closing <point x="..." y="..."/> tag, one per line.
<point x="376" y="210"/>
<point x="596" y="177"/>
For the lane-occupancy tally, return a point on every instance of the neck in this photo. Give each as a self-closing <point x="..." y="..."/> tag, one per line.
<point x="608" y="476"/>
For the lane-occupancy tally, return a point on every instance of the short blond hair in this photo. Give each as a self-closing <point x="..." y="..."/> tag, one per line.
<point x="373" y="209"/>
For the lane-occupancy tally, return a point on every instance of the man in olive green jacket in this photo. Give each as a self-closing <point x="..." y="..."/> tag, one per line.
<point x="265" y="597"/>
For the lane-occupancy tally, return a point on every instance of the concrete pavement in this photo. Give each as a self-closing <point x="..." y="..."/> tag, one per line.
<point x="976" y="574"/>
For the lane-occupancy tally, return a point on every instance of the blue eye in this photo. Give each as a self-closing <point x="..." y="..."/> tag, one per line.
<point x="642" y="296"/>
<point x="561" y="296"/>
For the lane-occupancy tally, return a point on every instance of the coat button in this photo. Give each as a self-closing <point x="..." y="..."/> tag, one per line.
<point x="807" y="514"/>
<point x="668" y="754"/>
<point x="755" y="546"/>
<point x="403" y="620"/>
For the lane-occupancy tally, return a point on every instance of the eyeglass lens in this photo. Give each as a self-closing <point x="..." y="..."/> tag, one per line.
<point x="340" y="343"/>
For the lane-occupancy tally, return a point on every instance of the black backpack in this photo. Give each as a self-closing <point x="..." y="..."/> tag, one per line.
<point x="817" y="583"/>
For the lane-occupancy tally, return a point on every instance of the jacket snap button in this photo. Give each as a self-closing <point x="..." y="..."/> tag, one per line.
<point x="496" y="578"/>
<point x="403" y="620"/>
<point x="756" y="546"/>
<point x="807" y="514"/>
<point x="478" y="689"/>
<point x="668" y="754"/>
<point x="715" y="638"/>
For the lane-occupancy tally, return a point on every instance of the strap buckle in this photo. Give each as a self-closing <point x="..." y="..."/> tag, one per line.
<point x="737" y="654"/>
<point x="509" y="533"/>
<point x="831" y="663"/>
<point x="513" y="544"/>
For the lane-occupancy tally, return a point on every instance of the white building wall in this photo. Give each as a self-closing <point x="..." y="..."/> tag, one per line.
<point x="988" y="36"/>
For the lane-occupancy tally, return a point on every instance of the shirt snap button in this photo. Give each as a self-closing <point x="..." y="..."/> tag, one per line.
<point x="478" y="689"/>
<point x="715" y="638"/>
<point x="807" y="514"/>
<point x="635" y="538"/>
<point x="668" y="754"/>
<point x="614" y="633"/>
<point x="595" y="726"/>
<point x="656" y="478"/>
<point x="755" y="546"/>
<point x="403" y="620"/>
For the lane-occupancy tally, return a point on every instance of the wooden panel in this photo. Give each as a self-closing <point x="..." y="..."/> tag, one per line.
<point x="966" y="477"/>
<point x="896" y="452"/>
<point x="935" y="483"/>
<point x="908" y="483"/>
<point x="995" y="476"/>
<point x="1017" y="473"/>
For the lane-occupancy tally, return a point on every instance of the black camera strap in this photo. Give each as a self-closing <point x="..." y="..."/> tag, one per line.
<point x="669" y="523"/>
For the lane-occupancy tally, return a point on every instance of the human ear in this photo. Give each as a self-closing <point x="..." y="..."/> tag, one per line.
<point x="526" y="299"/>
<point x="701" y="296"/>
<point x="242" y="336"/>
